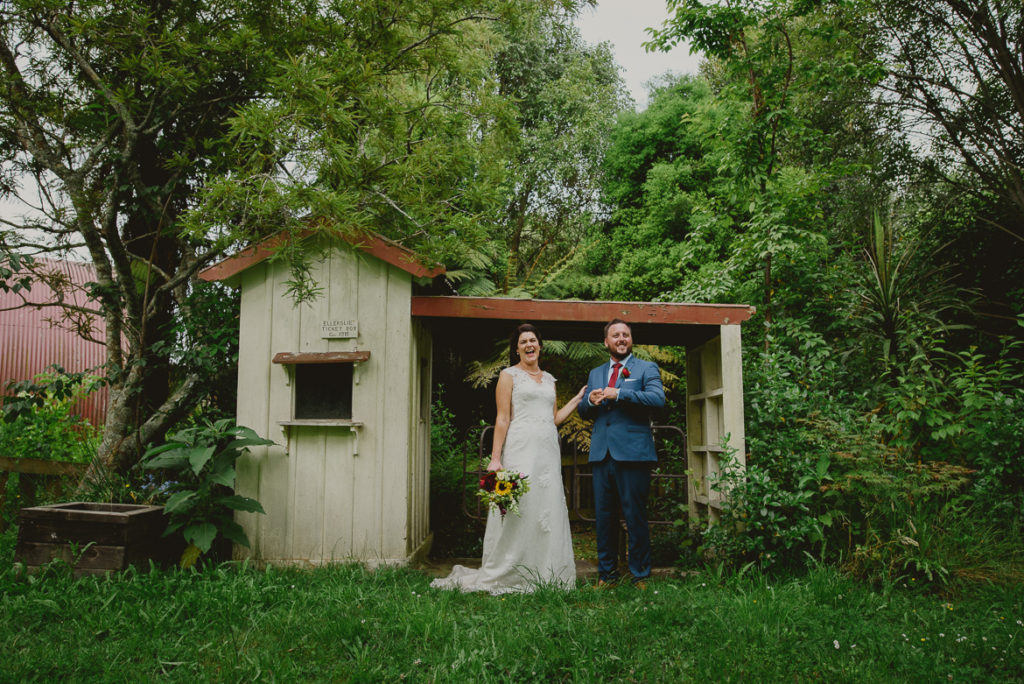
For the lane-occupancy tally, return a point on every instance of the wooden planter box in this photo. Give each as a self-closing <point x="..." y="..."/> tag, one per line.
<point x="94" y="538"/>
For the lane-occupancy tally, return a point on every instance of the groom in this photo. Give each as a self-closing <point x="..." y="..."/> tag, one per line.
<point x="620" y="396"/>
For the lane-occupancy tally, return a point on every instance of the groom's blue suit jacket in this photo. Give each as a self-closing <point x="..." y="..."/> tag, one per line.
<point x="622" y="428"/>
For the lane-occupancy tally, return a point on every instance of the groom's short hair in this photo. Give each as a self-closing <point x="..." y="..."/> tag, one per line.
<point x="616" y="321"/>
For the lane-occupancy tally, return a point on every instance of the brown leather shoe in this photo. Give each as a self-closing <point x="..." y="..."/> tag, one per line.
<point x="641" y="585"/>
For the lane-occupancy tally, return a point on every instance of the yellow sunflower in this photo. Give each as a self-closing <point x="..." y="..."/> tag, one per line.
<point x="502" y="487"/>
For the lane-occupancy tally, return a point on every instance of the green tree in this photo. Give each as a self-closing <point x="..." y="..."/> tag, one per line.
<point x="160" y="135"/>
<point x="666" y="220"/>
<point x="957" y="77"/>
<point x="565" y="96"/>
<point x="955" y="81"/>
<point x="789" y="82"/>
<point x="748" y="182"/>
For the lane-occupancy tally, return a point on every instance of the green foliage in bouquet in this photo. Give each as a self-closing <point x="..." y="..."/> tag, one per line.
<point x="202" y="500"/>
<point x="500" y="490"/>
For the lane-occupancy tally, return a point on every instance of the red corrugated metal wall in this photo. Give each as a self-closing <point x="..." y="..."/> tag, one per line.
<point x="30" y="342"/>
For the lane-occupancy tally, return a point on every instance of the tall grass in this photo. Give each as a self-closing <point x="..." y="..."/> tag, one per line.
<point x="235" y="623"/>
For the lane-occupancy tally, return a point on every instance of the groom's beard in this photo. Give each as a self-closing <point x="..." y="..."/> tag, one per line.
<point x="619" y="357"/>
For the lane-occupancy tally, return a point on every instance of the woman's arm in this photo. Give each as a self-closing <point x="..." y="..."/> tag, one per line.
<point x="586" y="408"/>
<point x="503" y="400"/>
<point x="562" y="413"/>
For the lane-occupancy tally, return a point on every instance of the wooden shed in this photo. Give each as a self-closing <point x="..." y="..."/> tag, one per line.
<point x="343" y="385"/>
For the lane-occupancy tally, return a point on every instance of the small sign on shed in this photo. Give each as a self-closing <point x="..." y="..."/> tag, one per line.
<point x="339" y="329"/>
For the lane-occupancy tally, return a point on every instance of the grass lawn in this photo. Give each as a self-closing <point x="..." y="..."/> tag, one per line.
<point x="234" y="623"/>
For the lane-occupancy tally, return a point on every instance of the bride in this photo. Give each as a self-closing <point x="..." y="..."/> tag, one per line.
<point x="534" y="548"/>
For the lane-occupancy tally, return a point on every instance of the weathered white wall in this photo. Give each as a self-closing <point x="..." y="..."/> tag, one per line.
<point x="323" y="502"/>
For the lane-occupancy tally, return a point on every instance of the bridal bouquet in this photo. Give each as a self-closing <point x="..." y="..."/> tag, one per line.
<point x="502" y="489"/>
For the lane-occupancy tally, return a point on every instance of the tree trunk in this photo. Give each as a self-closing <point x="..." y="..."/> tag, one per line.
<point x="124" y="439"/>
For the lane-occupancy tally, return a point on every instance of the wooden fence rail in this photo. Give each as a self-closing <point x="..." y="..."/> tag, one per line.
<point x="33" y="472"/>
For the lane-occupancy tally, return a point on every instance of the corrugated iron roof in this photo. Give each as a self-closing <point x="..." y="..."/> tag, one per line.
<point x="32" y="338"/>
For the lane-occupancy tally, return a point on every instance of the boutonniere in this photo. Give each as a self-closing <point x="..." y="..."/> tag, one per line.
<point x="625" y="372"/>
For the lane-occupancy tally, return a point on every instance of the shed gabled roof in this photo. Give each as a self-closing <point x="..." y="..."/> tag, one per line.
<point x="371" y="243"/>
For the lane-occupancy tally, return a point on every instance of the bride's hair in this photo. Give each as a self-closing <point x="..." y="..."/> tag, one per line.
<point x="513" y="343"/>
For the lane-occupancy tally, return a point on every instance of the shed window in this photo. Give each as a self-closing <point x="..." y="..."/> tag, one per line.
<point x="323" y="384"/>
<point x="323" y="390"/>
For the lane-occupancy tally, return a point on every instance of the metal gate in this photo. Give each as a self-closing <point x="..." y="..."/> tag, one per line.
<point x="668" y="499"/>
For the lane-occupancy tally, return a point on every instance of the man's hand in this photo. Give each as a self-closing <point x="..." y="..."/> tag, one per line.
<point x="598" y="396"/>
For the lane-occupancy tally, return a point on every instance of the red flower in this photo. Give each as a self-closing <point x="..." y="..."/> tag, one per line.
<point x="625" y="372"/>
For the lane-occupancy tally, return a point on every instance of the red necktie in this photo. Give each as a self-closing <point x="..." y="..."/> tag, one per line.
<point x="615" y="374"/>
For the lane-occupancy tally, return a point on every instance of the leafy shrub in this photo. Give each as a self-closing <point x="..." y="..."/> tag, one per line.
<point x="765" y="521"/>
<point x="967" y="409"/>
<point x="863" y="506"/>
<point x="201" y="504"/>
<point x="821" y="482"/>
<point x="38" y="421"/>
<point x="774" y="513"/>
<point x="886" y="510"/>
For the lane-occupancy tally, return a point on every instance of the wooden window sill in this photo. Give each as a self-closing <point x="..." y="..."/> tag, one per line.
<point x="321" y="422"/>
<point x="293" y="358"/>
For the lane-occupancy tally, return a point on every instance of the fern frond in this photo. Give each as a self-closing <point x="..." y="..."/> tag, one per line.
<point x="675" y="356"/>
<point x="481" y="373"/>
<point x="477" y="260"/>
<point x="461" y="274"/>
<point x="574" y="430"/>
<point x="481" y="286"/>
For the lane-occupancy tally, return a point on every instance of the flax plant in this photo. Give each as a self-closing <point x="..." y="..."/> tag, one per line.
<point x="905" y="290"/>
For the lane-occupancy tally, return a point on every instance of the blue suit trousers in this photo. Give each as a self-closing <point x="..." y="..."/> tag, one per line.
<point x="626" y="484"/>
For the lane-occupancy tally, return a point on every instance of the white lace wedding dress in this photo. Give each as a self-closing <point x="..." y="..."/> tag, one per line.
<point x="534" y="548"/>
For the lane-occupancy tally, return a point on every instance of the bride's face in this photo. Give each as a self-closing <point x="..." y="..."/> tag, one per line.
<point x="528" y="348"/>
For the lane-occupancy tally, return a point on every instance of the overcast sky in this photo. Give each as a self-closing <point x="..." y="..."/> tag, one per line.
<point x="622" y="23"/>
